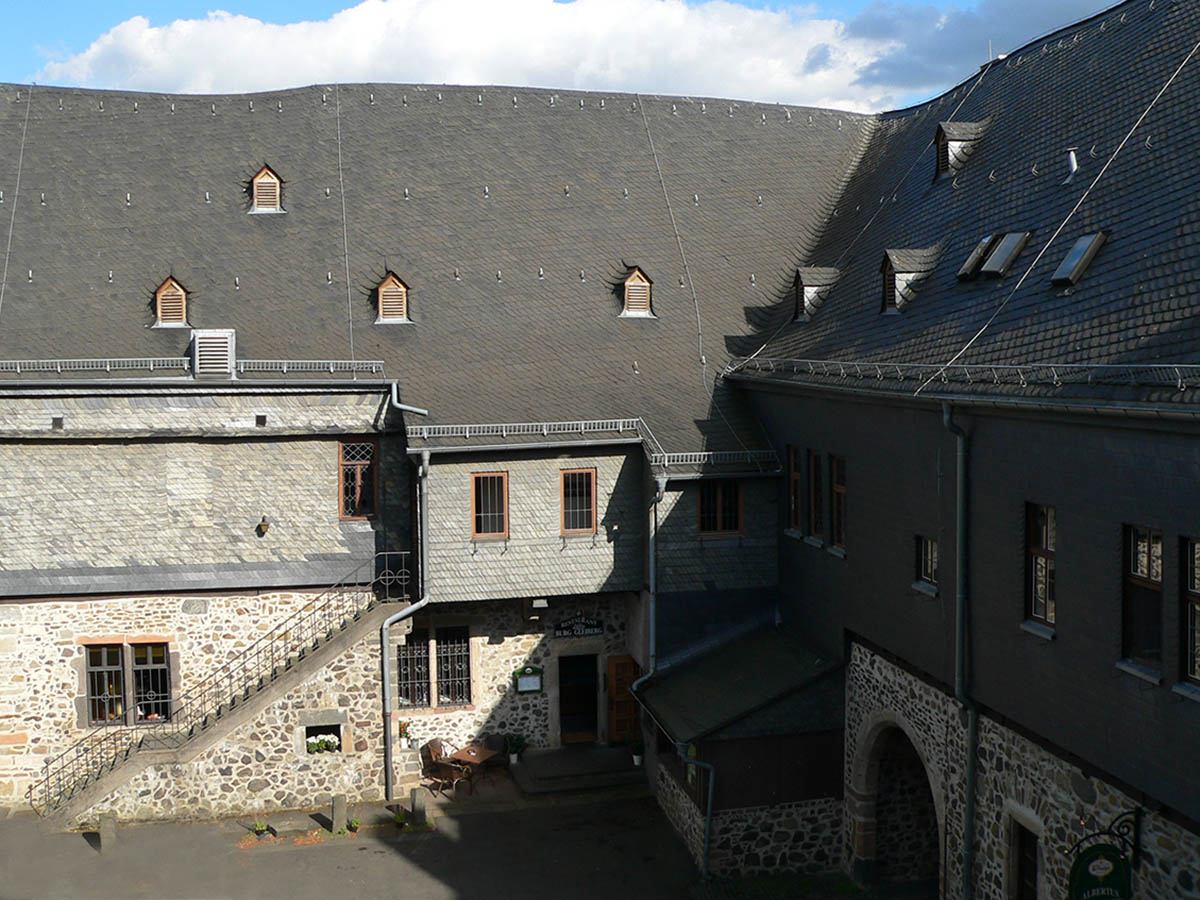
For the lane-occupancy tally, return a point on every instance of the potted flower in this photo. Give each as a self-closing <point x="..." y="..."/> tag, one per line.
<point x="405" y="732"/>
<point x="516" y="746"/>
<point x="353" y="824"/>
<point x="638" y="749"/>
<point x="261" y="829"/>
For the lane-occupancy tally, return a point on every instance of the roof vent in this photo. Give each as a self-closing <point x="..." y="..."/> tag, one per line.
<point x="213" y="352"/>
<point x="1078" y="258"/>
<point x="812" y="285"/>
<point x="393" y="300"/>
<point x="170" y="303"/>
<point x="267" y="190"/>
<point x="1000" y="260"/>
<point x="1072" y="164"/>
<point x="637" y="295"/>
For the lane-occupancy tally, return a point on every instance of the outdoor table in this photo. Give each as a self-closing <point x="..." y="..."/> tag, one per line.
<point x="474" y="755"/>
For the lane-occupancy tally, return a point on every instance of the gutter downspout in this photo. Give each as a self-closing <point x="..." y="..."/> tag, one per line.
<point x="960" y="647"/>
<point x="416" y="410"/>
<point x="408" y="611"/>
<point x="661" y="483"/>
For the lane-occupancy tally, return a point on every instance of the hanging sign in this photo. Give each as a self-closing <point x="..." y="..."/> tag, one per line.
<point x="1101" y="872"/>
<point x="578" y="626"/>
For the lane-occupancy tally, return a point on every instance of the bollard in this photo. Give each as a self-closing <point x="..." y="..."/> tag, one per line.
<point x="339" y="813"/>
<point x="108" y="832"/>
<point x="417" y="805"/>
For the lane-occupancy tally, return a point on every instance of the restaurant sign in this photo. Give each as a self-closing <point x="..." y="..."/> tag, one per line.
<point x="578" y="626"/>
<point x="1101" y="872"/>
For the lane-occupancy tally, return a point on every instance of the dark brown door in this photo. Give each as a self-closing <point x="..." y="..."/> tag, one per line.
<point x="622" y="708"/>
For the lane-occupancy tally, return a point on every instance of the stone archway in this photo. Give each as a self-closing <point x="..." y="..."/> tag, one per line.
<point x="894" y="806"/>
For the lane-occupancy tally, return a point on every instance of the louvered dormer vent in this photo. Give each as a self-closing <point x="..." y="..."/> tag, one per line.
<point x="267" y="191"/>
<point x="955" y="141"/>
<point x="392" y="300"/>
<point x="903" y="271"/>
<point x="813" y="284"/>
<point x="170" y="304"/>
<point x="213" y="352"/>
<point x="637" y="295"/>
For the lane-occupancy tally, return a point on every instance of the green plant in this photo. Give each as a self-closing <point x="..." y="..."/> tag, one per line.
<point x="399" y="819"/>
<point x="260" y="826"/>
<point x="352" y="823"/>
<point x="404" y="730"/>
<point x="516" y="743"/>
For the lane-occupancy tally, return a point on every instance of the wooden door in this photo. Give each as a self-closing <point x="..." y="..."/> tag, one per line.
<point x="622" y="708"/>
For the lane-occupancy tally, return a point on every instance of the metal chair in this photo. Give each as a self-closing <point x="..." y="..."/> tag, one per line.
<point x="441" y="770"/>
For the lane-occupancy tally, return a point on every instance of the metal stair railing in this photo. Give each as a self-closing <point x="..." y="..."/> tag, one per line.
<point x="385" y="578"/>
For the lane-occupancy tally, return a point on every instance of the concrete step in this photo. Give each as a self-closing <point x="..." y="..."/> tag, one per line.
<point x="575" y="768"/>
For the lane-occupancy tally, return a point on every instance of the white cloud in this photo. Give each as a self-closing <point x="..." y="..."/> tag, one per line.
<point x="715" y="48"/>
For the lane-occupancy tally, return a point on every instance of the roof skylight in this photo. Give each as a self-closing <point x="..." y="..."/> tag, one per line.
<point x="970" y="268"/>
<point x="1078" y="258"/>
<point x="1000" y="260"/>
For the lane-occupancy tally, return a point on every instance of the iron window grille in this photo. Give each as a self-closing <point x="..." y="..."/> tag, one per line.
<point x="1041" y="538"/>
<point x="579" y="501"/>
<point x="105" y="685"/>
<point x="358" y="468"/>
<point x="453" y="666"/>
<point x="795" y="490"/>
<point x="927" y="560"/>
<point x="1191" y="604"/>
<point x="816" y="517"/>
<point x="489" y="505"/>
<point x="837" y="501"/>
<point x="720" y="507"/>
<point x="1141" y="631"/>
<point x="151" y="683"/>
<point x="413" y="670"/>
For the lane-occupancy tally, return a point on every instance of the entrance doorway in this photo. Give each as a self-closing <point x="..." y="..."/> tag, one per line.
<point x="577" y="691"/>
<point x="906" y="827"/>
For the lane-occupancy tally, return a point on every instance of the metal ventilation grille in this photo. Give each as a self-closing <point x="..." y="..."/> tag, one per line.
<point x="393" y="302"/>
<point x="171" y="308"/>
<point x="212" y="352"/>
<point x="637" y="296"/>
<point x="266" y="193"/>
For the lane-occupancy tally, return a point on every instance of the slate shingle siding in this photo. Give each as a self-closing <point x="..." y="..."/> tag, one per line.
<point x="1098" y="478"/>
<point x="536" y="560"/>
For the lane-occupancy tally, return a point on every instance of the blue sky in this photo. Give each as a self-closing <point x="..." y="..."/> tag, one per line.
<point x="860" y="54"/>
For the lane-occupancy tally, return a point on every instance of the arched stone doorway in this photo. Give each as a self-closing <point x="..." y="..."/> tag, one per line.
<point x="895" y="816"/>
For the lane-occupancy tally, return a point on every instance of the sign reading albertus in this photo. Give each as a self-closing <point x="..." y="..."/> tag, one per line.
<point x="1101" y="872"/>
<point x="578" y="626"/>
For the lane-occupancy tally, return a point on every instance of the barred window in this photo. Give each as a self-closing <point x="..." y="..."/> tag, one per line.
<point x="359" y="482"/>
<point x="1041" y="538"/>
<point x="837" y="501"/>
<point x="927" y="560"/>
<point x="1141" y="627"/>
<point x="151" y="682"/>
<point x="579" y="501"/>
<point x="489" y="505"/>
<point x="1191" y="605"/>
<point x="413" y="670"/>
<point x="720" y="507"/>
<point x="453" y="666"/>
<point x="105" y="685"/>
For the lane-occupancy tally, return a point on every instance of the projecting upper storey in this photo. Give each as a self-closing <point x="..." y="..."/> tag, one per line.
<point x="476" y="241"/>
<point x="1063" y="240"/>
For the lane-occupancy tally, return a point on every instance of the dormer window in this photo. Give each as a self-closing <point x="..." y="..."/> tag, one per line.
<point x="812" y="285"/>
<point x="954" y="142"/>
<point x="943" y="153"/>
<point x="170" y="304"/>
<point x="392" y="298"/>
<point x="267" y="189"/>
<point x="637" y="295"/>
<point x="903" y="271"/>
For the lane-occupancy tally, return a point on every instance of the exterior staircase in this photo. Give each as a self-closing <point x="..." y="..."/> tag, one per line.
<point x="233" y="694"/>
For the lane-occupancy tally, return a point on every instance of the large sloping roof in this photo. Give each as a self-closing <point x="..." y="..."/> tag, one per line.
<point x="510" y="213"/>
<point x="1083" y="88"/>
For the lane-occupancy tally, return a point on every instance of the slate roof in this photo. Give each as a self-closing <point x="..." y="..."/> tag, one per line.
<point x="463" y="192"/>
<point x="1084" y="87"/>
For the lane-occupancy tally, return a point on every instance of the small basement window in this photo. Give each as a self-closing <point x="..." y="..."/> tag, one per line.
<point x="1078" y="258"/>
<point x="392" y="295"/>
<point x="1000" y="260"/>
<point x="975" y="261"/>
<point x="170" y="304"/>
<point x="267" y="190"/>
<point x="637" y="294"/>
<point x="323" y="738"/>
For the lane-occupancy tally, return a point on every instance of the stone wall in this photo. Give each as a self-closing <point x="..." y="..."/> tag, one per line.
<point x="906" y="822"/>
<point x="1019" y="782"/>
<point x="681" y="811"/>
<point x="689" y="561"/>
<point x="536" y="559"/>
<point x="804" y="836"/>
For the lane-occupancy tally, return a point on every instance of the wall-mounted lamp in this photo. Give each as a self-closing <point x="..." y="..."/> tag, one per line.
<point x="535" y="607"/>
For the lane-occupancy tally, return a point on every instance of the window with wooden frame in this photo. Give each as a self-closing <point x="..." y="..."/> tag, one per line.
<point x="453" y="666"/>
<point x="1191" y="609"/>
<point x="358" y="476"/>
<point x="151" y="682"/>
<point x="578" y="501"/>
<point x="267" y="191"/>
<point x="795" y="489"/>
<point x="1040" y="540"/>
<point x="927" y="560"/>
<point x="637" y="294"/>
<point x="105" y="678"/>
<point x="412" y="671"/>
<point x="816" y="496"/>
<point x="837" y="501"/>
<point x="1141" y="625"/>
<point x="888" y="272"/>
<point x="170" y="304"/>
<point x="392" y="299"/>
<point x="489" y="505"/>
<point x="720" y="507"/>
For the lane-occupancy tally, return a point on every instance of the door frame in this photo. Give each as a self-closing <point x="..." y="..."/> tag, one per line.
<point x="577" y="647"/>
